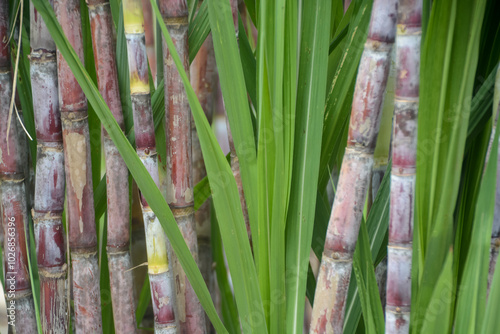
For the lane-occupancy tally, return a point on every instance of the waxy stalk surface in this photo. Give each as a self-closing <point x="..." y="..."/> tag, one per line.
<point x="179" y="161"/>
<point x="347" y="211"/>
<point x="159" y="269"/>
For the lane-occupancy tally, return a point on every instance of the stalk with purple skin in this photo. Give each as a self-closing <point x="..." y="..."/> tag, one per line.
<point x="49" y="180"/>
<point x="14" y="215"/>
<point x="404" y="152"/>
<point x="343" y="228"/>
<point x="118" y="237"/>
<point x="79" y="192"/>
<point x="160" y="273"/>
<point x="179" y="161"/>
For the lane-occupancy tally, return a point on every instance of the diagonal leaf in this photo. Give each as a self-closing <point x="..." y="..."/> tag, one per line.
<point x="137" y="169"/>
<point x="226" y="201"/>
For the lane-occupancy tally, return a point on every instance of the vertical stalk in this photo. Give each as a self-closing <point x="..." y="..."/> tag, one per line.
<point x="13" y="206"/>
<point x="118" y="237"/>
<point x="202" y="72"/>
<point x="343" y="227"/>
<point x="404" y="153"/>
<point x="160" y="274"/>
<point x="79" y="191"/>
<point x="404" y="148"/>
<point x="49" y="195"/>
<point x="179" y="160"/>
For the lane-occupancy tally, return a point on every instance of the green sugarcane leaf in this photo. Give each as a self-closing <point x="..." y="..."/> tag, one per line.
<point x="199" y="28"/>
<point x="311" y="92"/>
<point x="224" y="193"/>
<point x="228" y="305"/>
<point x="144" y="300"/>
<point x="450" y="49"/>
<point x="472" y="294"/>
<point x="139" y="172"/>
<point x="437" y="317"/>
<point x="235" y="100"/>
<point x="363" y="268"/>
<point x="248" y="62"/>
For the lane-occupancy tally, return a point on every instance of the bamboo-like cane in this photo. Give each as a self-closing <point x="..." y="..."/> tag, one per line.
<point x="404" y="152"/>
<point x="20" y="306"/>
<point x="203" y="75"/>
<point x="118" y="236"/>
<point x="343" y="228"/>
<point x="160" y="275"/>
<point x="179" y="161"/>
<point x="79" y="191"/>
<point x="49" y="186"/>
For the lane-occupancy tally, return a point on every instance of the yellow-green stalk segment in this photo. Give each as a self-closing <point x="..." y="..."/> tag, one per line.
<point x="13" y="206"/>
<point x="79" y="192"/>
<point x="118" y="237"/>
<point x="203" y="75"/>
<point x="49" y="182"/>
<point x="160" y="274"/>
<point x="355" y="174"/>
<point x="495" y="234"/>
<point x="404" y="153"/>
<point x="179" y="161"/>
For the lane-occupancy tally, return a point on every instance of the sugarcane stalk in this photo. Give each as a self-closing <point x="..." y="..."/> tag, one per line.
<point x="49" y="181"/>
<point x="404" y="153"/>
<point x="13" y="206"/>
<point x="382" y="148"/>
<point x="179" y="161"/>
<point x="345" y="219"/>
<point x="160" y="274"/>
<point x="118" y="237"/>
<point x="79" y="192"/>
<point x="202" y="72"/>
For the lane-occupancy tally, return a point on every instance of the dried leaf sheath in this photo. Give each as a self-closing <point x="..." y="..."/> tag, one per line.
<point x="118" y="238"/>
<point x="179" y="161"/>
<point x="342" y="233"/>
<point x="404" y="150"/>
<point x="160" y="274"/>
<point x="49" y="180"/>
<point x="79" y="191"/>
<point x="12" y="196"/>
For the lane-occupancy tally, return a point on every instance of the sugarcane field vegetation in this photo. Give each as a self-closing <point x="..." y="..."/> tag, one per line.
<point x="249" y="166"/>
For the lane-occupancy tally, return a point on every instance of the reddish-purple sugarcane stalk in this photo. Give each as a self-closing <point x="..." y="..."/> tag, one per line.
<point x="118" y="237"/>
<point x="203" y="75"/>
<point x="49" y="180"/>
<point x="79" y="192"/>
<point x="179" y="161"/>
<point x="343" y="228"/>
<point x="404" y="153"/>
<point x="20" y="306"/>
<point x="160" y="274"/>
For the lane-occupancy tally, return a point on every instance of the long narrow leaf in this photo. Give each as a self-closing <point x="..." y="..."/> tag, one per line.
<point x="139" y="172"/>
